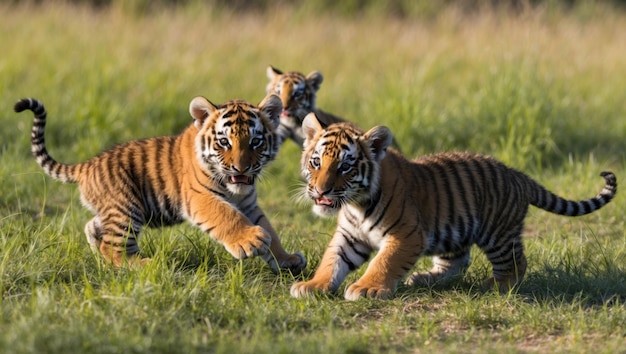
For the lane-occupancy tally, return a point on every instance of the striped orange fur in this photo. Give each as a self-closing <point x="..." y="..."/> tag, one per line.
<point x="206" y="176"/>
<point x="437" y="205"/>
<point x="298" y="94"/>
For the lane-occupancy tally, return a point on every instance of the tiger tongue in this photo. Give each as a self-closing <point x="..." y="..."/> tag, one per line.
<point x="240" y="179"/>
<point x="324" y="201"/>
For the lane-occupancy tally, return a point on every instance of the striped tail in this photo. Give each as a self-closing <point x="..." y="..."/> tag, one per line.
<point x="51" y="167"/>
<point x="548" y="201"/>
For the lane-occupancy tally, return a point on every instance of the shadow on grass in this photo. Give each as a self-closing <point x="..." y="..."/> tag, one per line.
<point x="605" y="288"/>
<point x="560" y="285"/>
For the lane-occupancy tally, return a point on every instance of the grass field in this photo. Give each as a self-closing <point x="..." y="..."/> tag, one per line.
<point x="544" y="91"/>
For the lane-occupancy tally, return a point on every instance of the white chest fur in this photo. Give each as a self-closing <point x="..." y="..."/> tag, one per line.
<point x="369" y="231"/>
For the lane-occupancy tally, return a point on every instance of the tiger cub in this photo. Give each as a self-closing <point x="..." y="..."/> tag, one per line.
<point x="298" y="94"/>
<point x="205" y="176"/>
<point x="437" y="205"/>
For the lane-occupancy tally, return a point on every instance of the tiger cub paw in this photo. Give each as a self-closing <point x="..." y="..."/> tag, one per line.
<point x="501" y="284"/>
<point x="357" y="291"/>
<point x="307" y="288"/>
<point x="254" y="242"/>
<point x="428" y="279"/>
<point x="294" y="263"/>
<point x="139" y="262"/>
<point x="421" y="279"/>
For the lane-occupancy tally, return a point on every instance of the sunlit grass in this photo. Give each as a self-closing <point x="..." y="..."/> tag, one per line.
<point x="544" y="91"/>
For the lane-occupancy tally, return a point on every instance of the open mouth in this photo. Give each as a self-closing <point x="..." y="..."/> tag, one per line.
<point x="324" y="201"/>
<point x="241" y="179"/>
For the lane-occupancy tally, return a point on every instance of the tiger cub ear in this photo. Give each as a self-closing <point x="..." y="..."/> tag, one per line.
<point x="315" y="78"/>
<point x="272" y="72"/>
<point x="310" y="126"/>
<point x="378" y="138"/>
<point x="272" y="106"/>
<point x="200" y="109"/>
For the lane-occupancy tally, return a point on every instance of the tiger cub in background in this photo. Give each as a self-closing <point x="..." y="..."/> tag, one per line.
<point x="206" y="176"/>
<point x="437" y="205"/>
<point x="298" y="94"/>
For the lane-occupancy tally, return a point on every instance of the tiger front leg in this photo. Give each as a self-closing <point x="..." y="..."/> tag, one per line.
<point x="396" y="257"/>
<point x="228" y="226"/>
<point x="278" y="258"/>
<point x="343" y="255"/>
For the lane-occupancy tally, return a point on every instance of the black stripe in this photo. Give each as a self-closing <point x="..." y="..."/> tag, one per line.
<point x="37" y="140"/>
<point x="345" y="259"/>
<point x="490" y="185"/>
<point x="137" y="219"/>
<point x="461" y="226"/>
<point x="467" y="208"/>
<point x="258" y="219"/>
<point x="433" y="183"/>
<point x="383" y="211"/>
<point x="448" y="241"/>
<point x="204" y="225"/>
<point x="504" y="250"/>
<point x="172" y="161"/>
<point x="196" y="190"/>
<point x="158" y="168"/>
<point x="576" y="207"/>
<point x="55" y="169"/>
<point x="554" y="200"/>
<point x="410" y="233"/>
<point x="596" y="204"/>
<point x="224" y="196"/>
<point x="443" y="176"/>
<point x="187" y="203"/>
<point x="344" y="146"/>
<point x="351" y="218"/>
<point x="216" y="192"/>
<point x="352" y="242"/>
<point x="373" y="203"/>
<point x="398" y="220"/>
<point x="248" y="209"/>
<point x="540" y="196"/>
<point x="131" y="173"/>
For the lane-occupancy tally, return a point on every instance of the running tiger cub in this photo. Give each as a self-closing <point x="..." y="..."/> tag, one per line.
<point x="205" y="176"/>
<point x="297" y="93"/>
<point x="438" y="205"/>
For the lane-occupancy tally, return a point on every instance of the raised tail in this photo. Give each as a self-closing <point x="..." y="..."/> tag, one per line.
<point x="551" y="202"/>
<point x="51" y="167"/>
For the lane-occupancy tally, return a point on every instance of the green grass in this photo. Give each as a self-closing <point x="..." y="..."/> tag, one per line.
<point x="544" y="91"/>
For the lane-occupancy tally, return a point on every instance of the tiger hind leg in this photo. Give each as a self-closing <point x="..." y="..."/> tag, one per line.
<point x="445" y="268"/>
<point x="93" y="230"/>
<point x="118" y="244"/>
<point x="509" y="265"/>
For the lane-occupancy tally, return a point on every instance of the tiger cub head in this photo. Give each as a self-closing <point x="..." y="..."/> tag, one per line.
<point x="236" y="139"/>
<point x="297" y="93"/>
<point x="341" y="163"/>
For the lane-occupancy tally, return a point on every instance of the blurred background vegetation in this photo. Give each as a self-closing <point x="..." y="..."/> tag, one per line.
<point x="395" y="8"/>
